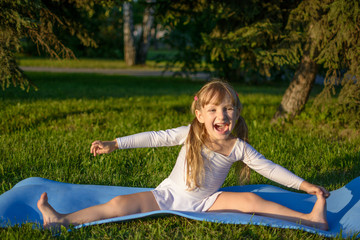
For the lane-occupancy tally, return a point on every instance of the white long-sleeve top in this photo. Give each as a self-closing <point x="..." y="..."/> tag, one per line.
<point x="173" y="194"/>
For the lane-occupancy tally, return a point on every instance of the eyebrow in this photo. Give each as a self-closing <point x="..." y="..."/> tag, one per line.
<point x="214" y="105"/>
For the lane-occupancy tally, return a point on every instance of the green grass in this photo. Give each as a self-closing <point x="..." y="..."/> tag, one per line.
<point x="86" y="63"/>
<point x="151" y="63"/>
<point x="155" y="61"/>
<point x="48" y="134"/>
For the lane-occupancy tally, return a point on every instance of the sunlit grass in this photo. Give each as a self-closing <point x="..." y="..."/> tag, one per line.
<point x="91" y="63"/>
<point x="155" y="61"/>
<point x="86" y="63"/>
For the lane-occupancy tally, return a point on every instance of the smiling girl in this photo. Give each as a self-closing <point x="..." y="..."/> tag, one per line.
<point x="216" y="138"/>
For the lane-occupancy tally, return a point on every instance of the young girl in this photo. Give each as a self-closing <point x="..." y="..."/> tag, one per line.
<point x="216" y="138"/>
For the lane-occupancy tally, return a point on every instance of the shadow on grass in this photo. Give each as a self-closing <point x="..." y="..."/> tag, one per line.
<point x="97" y="86"/>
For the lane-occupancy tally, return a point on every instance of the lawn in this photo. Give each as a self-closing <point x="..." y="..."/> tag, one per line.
<point x="86" y="63"/>
<point x="152" y="62"/>
<point x="47" y="133"/>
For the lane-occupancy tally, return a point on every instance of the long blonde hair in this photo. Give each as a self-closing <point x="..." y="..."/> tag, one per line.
<point x="214" y="92"/>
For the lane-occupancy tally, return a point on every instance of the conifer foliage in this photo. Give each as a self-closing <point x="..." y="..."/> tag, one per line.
<point x="251" y="40"/>
<point x="331" y="39"/>
<point x="37" y="20"/>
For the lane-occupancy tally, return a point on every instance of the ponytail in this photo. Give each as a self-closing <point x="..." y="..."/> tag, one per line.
<point x="195" y="161"/>
<point x="242" y="170"/>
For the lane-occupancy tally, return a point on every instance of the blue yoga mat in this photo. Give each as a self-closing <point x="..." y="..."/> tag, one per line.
<point x="18" y="205"/>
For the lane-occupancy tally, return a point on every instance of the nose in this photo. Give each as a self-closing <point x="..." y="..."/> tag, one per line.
<point x="222" y="115"/>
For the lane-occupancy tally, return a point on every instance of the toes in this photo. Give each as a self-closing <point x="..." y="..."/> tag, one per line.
<point x="44" y="197"/>
<point x="43" y="200"/>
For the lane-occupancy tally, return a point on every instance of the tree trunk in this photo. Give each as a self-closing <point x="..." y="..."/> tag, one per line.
<point x="148" y="21"/>
<point x="297" y="94"/>
<point x="129" y="41"/>
<point x="154" y="38"/>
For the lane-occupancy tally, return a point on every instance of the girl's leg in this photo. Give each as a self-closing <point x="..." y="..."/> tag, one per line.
<point x="116" y="207"/>
<point x="252" y="203"/>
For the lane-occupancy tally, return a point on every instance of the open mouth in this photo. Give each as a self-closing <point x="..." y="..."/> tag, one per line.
<point x="222" y="127"/>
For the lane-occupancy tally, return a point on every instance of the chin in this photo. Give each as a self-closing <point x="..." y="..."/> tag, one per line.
<point x="222" y="136"/>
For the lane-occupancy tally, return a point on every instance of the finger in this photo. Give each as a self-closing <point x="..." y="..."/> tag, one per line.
<point x="316" y="191"/>
<point x="96" y="151"/>
<point x="93" y="145"/>
<point x="325" y="192"/>
<point x="322" y="191"/>
<point x="100" y="144"/>
<point x="100" y="151"/>
<point x="93" y="149"/>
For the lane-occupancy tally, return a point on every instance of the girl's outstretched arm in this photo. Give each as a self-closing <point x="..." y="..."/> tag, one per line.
<point x="162" y="138"/>
<point x="313" y="189"/>
<point x="101" y="147"/>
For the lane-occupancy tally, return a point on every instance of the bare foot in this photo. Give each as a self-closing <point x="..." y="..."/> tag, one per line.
<point x="317" y="217"/>
<point x="51" y="218"/>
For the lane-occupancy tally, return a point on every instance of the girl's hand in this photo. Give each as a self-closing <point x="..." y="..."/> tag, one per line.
<point x="314" y="189"/>
<point x="101" y="147"/>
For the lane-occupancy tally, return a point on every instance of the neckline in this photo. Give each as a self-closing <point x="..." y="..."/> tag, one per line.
<point x="232" y="149"/>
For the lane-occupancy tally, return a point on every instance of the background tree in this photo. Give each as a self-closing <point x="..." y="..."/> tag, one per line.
<point x="228" y="35"/>
<point x="259" y="40"/>
<point x="38" y="21"/>
<point x="136" y="47"/>
<point x="129" y="39"/>
<point x="326" y="34"/>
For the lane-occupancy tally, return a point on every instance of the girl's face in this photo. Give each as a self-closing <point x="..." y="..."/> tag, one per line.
<point x="219" y="119"/>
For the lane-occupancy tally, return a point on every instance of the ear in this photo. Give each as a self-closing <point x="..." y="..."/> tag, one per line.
<point x="199" y="116"/>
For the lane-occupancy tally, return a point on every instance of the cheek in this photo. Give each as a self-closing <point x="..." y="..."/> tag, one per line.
<point x="235" y="116"/>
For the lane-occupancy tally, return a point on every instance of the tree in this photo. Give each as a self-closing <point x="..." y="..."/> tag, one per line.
<point x="135" y="50"/>
<point x="331" y="39"/>
<point x="297" y="94"/>
<point x="262" y="38"/>
<point x="308" y="34"/>
<point x="188" y="21"/>
<point x="229" y="35"/>
<point x="148" y="21"/>
<point x="37" y="20"/>
<point x="129" y="41"/>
